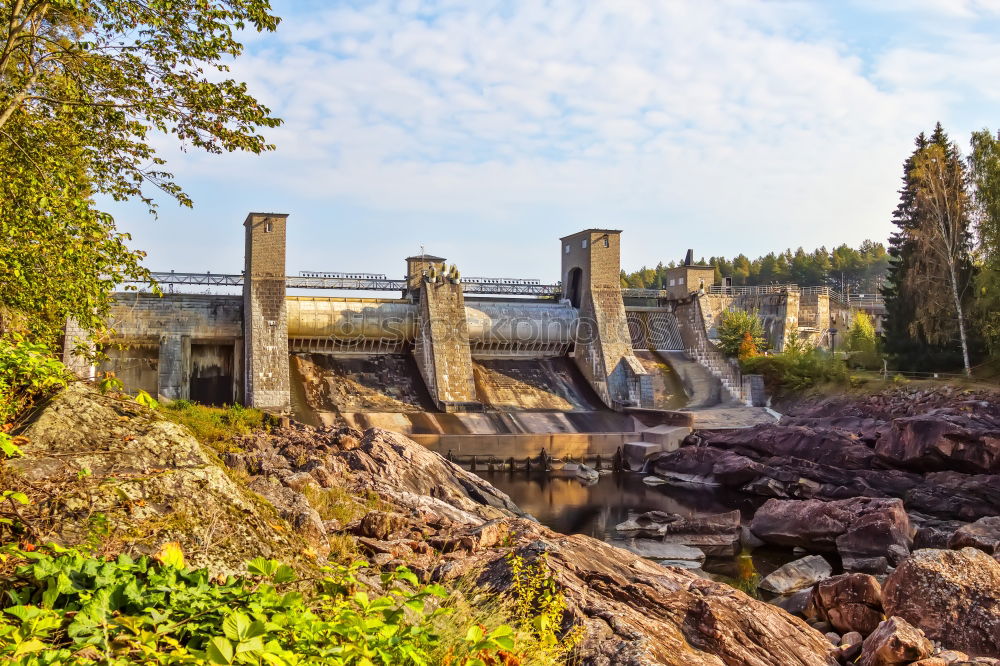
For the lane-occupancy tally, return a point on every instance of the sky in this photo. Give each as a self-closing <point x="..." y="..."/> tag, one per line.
<point x="483" y="131"/>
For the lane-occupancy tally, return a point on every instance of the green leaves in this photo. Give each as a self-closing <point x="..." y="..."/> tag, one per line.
<point x="27" y="372"/>
<point x="62" y="604"/>
<point x="735" y="326"/>
<point x="83" y="86"/>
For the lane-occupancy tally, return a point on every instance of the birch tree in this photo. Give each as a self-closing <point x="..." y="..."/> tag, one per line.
<point x="941" y="268"/>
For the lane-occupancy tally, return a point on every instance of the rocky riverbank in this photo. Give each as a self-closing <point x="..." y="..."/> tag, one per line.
<point x="88" y="455"/>
<point x="899" y="489"/>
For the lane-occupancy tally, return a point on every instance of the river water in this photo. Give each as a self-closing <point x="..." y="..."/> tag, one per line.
<point x="570" y="506"/>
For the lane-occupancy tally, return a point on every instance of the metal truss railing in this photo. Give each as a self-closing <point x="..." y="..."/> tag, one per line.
<point x="477" y="286"/>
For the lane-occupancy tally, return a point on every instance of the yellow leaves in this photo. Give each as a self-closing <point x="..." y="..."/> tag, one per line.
<point x="170" y="555"/>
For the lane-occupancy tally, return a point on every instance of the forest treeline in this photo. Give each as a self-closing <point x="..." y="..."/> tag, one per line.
<point x="860" y="270"/>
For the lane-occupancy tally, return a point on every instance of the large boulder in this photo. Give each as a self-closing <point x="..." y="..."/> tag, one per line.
<point x="952" y="595"/>
<point x="849" y="602"/>
<point x="893" y="643"/>
<point x="826" y="446"/>
<point x="867" y="429"/>
<point x="861" y="529"/>
<point x="942" y="439"/>
<point x="716" y="535"/>
<point x="876" y="539"/>
<point x="983" y="534"/>
<point x="636" y="612"/>
<point x="152" y="481"/>
<point x="956" y="496"/>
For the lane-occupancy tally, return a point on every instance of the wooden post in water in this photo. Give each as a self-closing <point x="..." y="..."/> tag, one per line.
<point x="473" y="467"/>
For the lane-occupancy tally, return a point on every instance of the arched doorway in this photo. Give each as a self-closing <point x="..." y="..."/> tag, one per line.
<point x="573" y="281"/>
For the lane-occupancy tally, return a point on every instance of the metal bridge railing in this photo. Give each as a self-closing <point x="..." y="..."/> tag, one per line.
<point x="505" y="287"/>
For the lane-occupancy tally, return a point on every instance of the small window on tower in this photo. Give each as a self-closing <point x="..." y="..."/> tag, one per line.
<point x="606" y="243"/>
<point x="567" y="249"/>
<point x="583" y="244"/>
<point x="267" y="226"/>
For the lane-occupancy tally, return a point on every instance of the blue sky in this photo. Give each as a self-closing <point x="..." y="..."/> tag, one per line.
<point x="485" y="131"/>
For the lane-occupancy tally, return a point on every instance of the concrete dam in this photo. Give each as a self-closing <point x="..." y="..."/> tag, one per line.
<point x="578" y="366"/>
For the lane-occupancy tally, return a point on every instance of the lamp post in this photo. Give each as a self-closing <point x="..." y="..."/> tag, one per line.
<point x="833" y="339"/>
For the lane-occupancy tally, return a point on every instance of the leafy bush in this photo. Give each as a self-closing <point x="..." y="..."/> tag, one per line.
<point x="63" y="607"/>
<point x="799" y="366"/>
<point x="735" y="327"/>
<point x="27" y="372"/>
<point x="218" y="427"/>
<point x="863" y="343"/>
<point x="861" y="336"/>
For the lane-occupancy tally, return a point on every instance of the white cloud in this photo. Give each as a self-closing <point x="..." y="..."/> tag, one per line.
<point x="726" y="125"/>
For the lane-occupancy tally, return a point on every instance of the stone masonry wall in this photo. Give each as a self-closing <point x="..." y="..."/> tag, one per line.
<point x="265" y="317"/>
<point x="171" y="323"/>
<point x="779" y="312"/>
<point x="442" y="350"/>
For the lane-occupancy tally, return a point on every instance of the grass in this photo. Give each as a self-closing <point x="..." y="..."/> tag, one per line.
<point x="217" y="427"/>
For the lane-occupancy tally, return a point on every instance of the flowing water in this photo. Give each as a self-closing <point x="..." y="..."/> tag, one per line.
<point x="570" y="506"/>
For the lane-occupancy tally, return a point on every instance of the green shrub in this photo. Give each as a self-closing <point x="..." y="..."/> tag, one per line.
<point x="861" y="336"/>
<point x="735" y="326"/>
<point x="799" y="366"/>
<point x="28" y="372"/>
<point x="62" y="607"/>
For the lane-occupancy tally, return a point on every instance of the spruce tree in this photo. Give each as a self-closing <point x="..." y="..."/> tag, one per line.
<point x="899" y="303"/>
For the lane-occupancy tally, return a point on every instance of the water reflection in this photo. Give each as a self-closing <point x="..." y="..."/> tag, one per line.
<point x="571" y="507"/>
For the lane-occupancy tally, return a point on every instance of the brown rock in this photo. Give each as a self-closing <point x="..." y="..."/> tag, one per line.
<point x="953" y="595"/>
<point x="872" y="540"/>
<point x="941" y="440"/>
<point x="850" y="645"/>
<point x="957" y="496"/>
<point x="298" y="481"/>
<point x="894" y="641"/>
<point x="638" y="612"/>
<point x="487" y="535"/>
<point x="862" y="527"/>
<point x="151" y="479"/>
<point x="824" y="445"/>
<point x="983" y="534"/>
<point x="381" y="525"/>
<point x="849" y="602"/>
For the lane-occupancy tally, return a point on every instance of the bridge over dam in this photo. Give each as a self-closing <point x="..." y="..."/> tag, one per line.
<point x="500" y="366"/>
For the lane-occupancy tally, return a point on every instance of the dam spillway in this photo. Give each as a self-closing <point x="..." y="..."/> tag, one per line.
<point x="495" y="356"/>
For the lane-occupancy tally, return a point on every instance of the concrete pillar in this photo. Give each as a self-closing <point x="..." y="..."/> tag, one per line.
<point x="238" y="345"/>
<point x="174" y="378"/>
<point x="442" y="348"/>
<point x="265" y="320"/>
